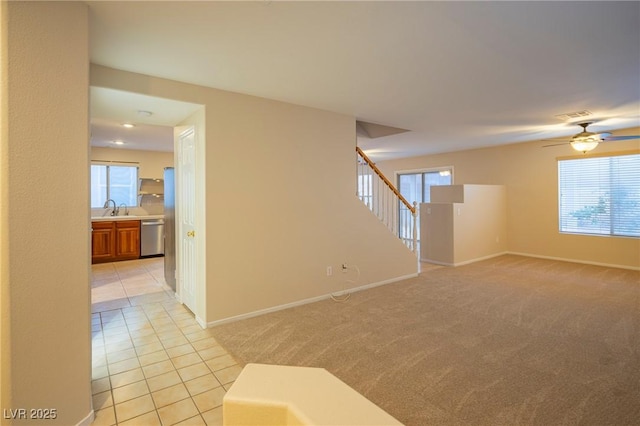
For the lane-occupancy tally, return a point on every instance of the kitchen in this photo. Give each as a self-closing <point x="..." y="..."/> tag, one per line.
<point x="132" y="142"/>
<point x="130" y="223"/>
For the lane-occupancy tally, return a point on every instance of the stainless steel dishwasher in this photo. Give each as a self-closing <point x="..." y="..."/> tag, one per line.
<point x="152" y="237"/>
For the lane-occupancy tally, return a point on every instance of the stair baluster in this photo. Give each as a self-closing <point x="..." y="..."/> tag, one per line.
<point x="385" y="201"/>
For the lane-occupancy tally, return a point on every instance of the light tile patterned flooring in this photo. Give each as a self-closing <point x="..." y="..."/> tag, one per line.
<point x="152" y="363"/>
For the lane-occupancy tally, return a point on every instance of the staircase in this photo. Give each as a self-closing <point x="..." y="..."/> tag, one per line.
<point x="386" y="202"/>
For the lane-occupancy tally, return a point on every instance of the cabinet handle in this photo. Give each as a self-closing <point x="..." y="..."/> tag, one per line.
<point x="191" y="234"/>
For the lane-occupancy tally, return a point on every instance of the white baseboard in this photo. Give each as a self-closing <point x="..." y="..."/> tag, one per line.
<point x="302" y="302"/>
<point x="436" y="262"/>
<point x="561" y="259"/>
<point x="478" y="259"/>
<point x="379" y="283"/>
<point x="202" y="323"/>
<point x="585" y="262"/>
<point x="88" y="419"/>
<point x="466" y="262"/>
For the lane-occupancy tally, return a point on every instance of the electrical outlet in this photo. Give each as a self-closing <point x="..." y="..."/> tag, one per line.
<point x="329" y="271"/>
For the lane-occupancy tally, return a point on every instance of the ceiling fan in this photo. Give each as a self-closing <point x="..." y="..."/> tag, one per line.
<point x="586" y="141"/>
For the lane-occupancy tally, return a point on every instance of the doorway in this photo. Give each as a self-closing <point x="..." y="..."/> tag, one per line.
<point x="148" y="140"/>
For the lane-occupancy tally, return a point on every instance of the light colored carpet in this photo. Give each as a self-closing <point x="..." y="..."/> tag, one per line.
<point x="511" y="340"/>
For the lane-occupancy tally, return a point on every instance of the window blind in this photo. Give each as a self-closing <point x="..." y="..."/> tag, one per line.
<point x="600" y="195"/>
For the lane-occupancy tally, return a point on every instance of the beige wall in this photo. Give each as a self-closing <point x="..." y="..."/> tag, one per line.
<point x="480" y="223"/>
<point x="436" y="233"/>
<point x="5" y="306"/>
<point x="280" y="200"/>
<point x="152" y="163"/>
<point x="463" y="223"/>
<point x="530" y="174"/>
<point x="45" y="255"/>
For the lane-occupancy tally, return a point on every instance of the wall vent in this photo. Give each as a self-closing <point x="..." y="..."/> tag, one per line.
<point x="573" y="115"/>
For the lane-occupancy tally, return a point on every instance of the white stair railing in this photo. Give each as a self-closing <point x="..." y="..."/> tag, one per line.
<point x="386" y="202"/>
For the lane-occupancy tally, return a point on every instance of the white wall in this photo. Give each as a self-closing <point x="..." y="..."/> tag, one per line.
<point x="280" y="200"/>
<point x="45" y="255"/>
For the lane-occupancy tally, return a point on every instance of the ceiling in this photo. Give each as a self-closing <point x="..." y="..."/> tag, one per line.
<point x="457" y="75"/>
<point x="153" y="119"/>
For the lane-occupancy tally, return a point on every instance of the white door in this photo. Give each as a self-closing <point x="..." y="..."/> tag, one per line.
<point x="185" y="217"/>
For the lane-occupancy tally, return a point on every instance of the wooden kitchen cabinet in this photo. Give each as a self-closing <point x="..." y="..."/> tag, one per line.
<point x="103" y="242"/>
<point x="112" y="241"/>
<point x="127" y="239"/>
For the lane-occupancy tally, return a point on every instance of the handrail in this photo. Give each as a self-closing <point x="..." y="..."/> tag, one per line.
<point x="371" y="164"/>
<point x="381" y="197"/>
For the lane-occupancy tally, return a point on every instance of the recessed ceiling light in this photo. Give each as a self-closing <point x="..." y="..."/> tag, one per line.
<point x="128" y="125"/>
<point x="144" y="113"/>
<point x="117" y="142"/>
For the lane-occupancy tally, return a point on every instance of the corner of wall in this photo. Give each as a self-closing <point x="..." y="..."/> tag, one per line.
<point x="49" y="315"/>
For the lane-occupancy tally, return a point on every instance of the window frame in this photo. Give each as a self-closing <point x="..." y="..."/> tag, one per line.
<point x="562" y="228"/>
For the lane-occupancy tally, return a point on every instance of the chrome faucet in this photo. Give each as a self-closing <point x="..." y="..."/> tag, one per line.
<point x="114" y="212"/>
<point x="126" y="209"/>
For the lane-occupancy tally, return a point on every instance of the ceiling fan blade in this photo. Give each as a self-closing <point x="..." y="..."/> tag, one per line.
<point x="621" y="138"/>
<point x="557" y="144"/>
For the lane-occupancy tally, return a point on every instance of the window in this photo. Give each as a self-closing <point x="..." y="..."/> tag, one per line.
<point x="114" y="181"/>
<point x="600" y="195"/>
<point x="417" y="187"/>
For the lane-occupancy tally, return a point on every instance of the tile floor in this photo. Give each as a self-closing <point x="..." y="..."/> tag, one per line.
<point x="152" y="363"/>
<point x="130" y="283"/>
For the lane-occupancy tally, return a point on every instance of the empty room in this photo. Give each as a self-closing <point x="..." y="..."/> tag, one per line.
<point x="272" y="212"/>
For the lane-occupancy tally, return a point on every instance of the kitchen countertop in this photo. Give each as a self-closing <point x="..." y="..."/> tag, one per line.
<point x="130" y="217"/>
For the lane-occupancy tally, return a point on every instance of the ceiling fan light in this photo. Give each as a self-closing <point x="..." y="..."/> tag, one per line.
<point x="585" y="144"/>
